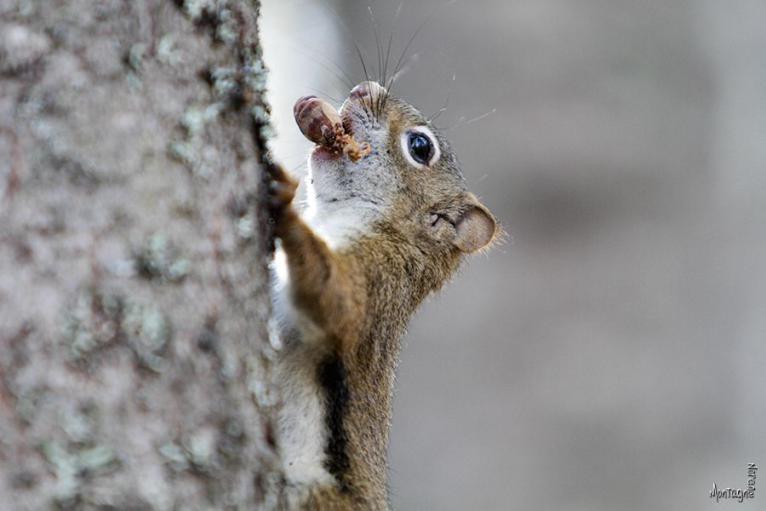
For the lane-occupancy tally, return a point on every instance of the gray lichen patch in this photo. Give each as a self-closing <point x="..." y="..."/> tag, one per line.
<point x="231" y="440"/>
<point x="195" y="119"/>
<point x="206" y="451"/>
<point x="246" y="227"/>
<point x="160" y="259"/>
<point x="167" y="53"/>
<point x="197" y="452"/>
<point x="193" y="149"/>
<point x="201" y="449"/>
<point x="224" y="81"/>
<point x="148" y="333"/>
<point x="226" y="31"/>
<point x="183" y="152"/>
<point x="256" y="76"/>
<point x="175" y="456"/>
<point x="73" y="465"/>
<point x="195" y="9"/>
<point x="217" y="13"/>
<point x="136" y="56"/>
<point x="99" y="320"/>
<point x="93" y="322"/>
<point x="80" y="424"/>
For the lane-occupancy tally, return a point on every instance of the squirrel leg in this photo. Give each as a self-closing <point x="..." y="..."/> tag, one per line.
<point x="320" y="280"/>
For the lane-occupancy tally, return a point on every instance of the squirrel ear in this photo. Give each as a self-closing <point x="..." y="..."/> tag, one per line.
<point x="476" y="228"/>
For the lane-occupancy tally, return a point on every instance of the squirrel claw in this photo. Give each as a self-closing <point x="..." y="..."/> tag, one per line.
<point x="281" y="191"/>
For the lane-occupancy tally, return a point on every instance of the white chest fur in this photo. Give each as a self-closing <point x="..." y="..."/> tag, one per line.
<point x="301" y="425"/>
<point x="340" y="223"/>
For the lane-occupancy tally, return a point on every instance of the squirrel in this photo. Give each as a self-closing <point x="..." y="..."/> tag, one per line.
<point x="388" y="221"/>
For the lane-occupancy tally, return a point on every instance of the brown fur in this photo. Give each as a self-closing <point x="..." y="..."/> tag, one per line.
<point x="362" y="296"/>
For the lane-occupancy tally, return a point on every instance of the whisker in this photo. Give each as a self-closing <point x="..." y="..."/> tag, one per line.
<point x="443" y="109"/>
<point x="399" y="62"/>
<point x="377" y="39"/>
<point x="480" y="117"/>
<point x="364" y="68"/>
<point x="328" y="65"/>
<point x="439" y="112"/>
<point x="404" y="69"/>
<point x="463" y="122"/>
<point x="388" y="55"/>
<point x="348" y="33"/>
<point x="379" y="47"/>
<point x="325" y="94"/>
<point x="402" y="59"/>
<point x="384" y="97"/>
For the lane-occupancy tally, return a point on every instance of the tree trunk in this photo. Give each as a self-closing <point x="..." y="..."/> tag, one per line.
<point x="134" y="306"/>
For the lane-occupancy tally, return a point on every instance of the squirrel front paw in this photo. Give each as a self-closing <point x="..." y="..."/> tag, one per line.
<point x="282" y="189"/>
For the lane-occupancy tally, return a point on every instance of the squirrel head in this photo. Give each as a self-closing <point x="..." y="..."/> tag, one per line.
<point x="406" y="178"/>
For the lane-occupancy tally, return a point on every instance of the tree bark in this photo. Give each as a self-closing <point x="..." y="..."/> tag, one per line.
<point x="134" y="305"/>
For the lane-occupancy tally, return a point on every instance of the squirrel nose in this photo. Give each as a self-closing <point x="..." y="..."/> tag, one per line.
<point x="367" y="91"/>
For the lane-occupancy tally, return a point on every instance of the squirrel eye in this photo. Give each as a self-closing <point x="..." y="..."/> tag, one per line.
<point x="420" y="147"/>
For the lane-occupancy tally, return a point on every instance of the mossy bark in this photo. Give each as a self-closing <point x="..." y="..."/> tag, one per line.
<point x="134" y="309"/>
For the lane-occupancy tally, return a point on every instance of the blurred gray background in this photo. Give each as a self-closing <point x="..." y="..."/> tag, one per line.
<point x="612" y="355"/>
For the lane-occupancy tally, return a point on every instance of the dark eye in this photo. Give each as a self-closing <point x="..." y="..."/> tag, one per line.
<point x="421" y="148"/>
